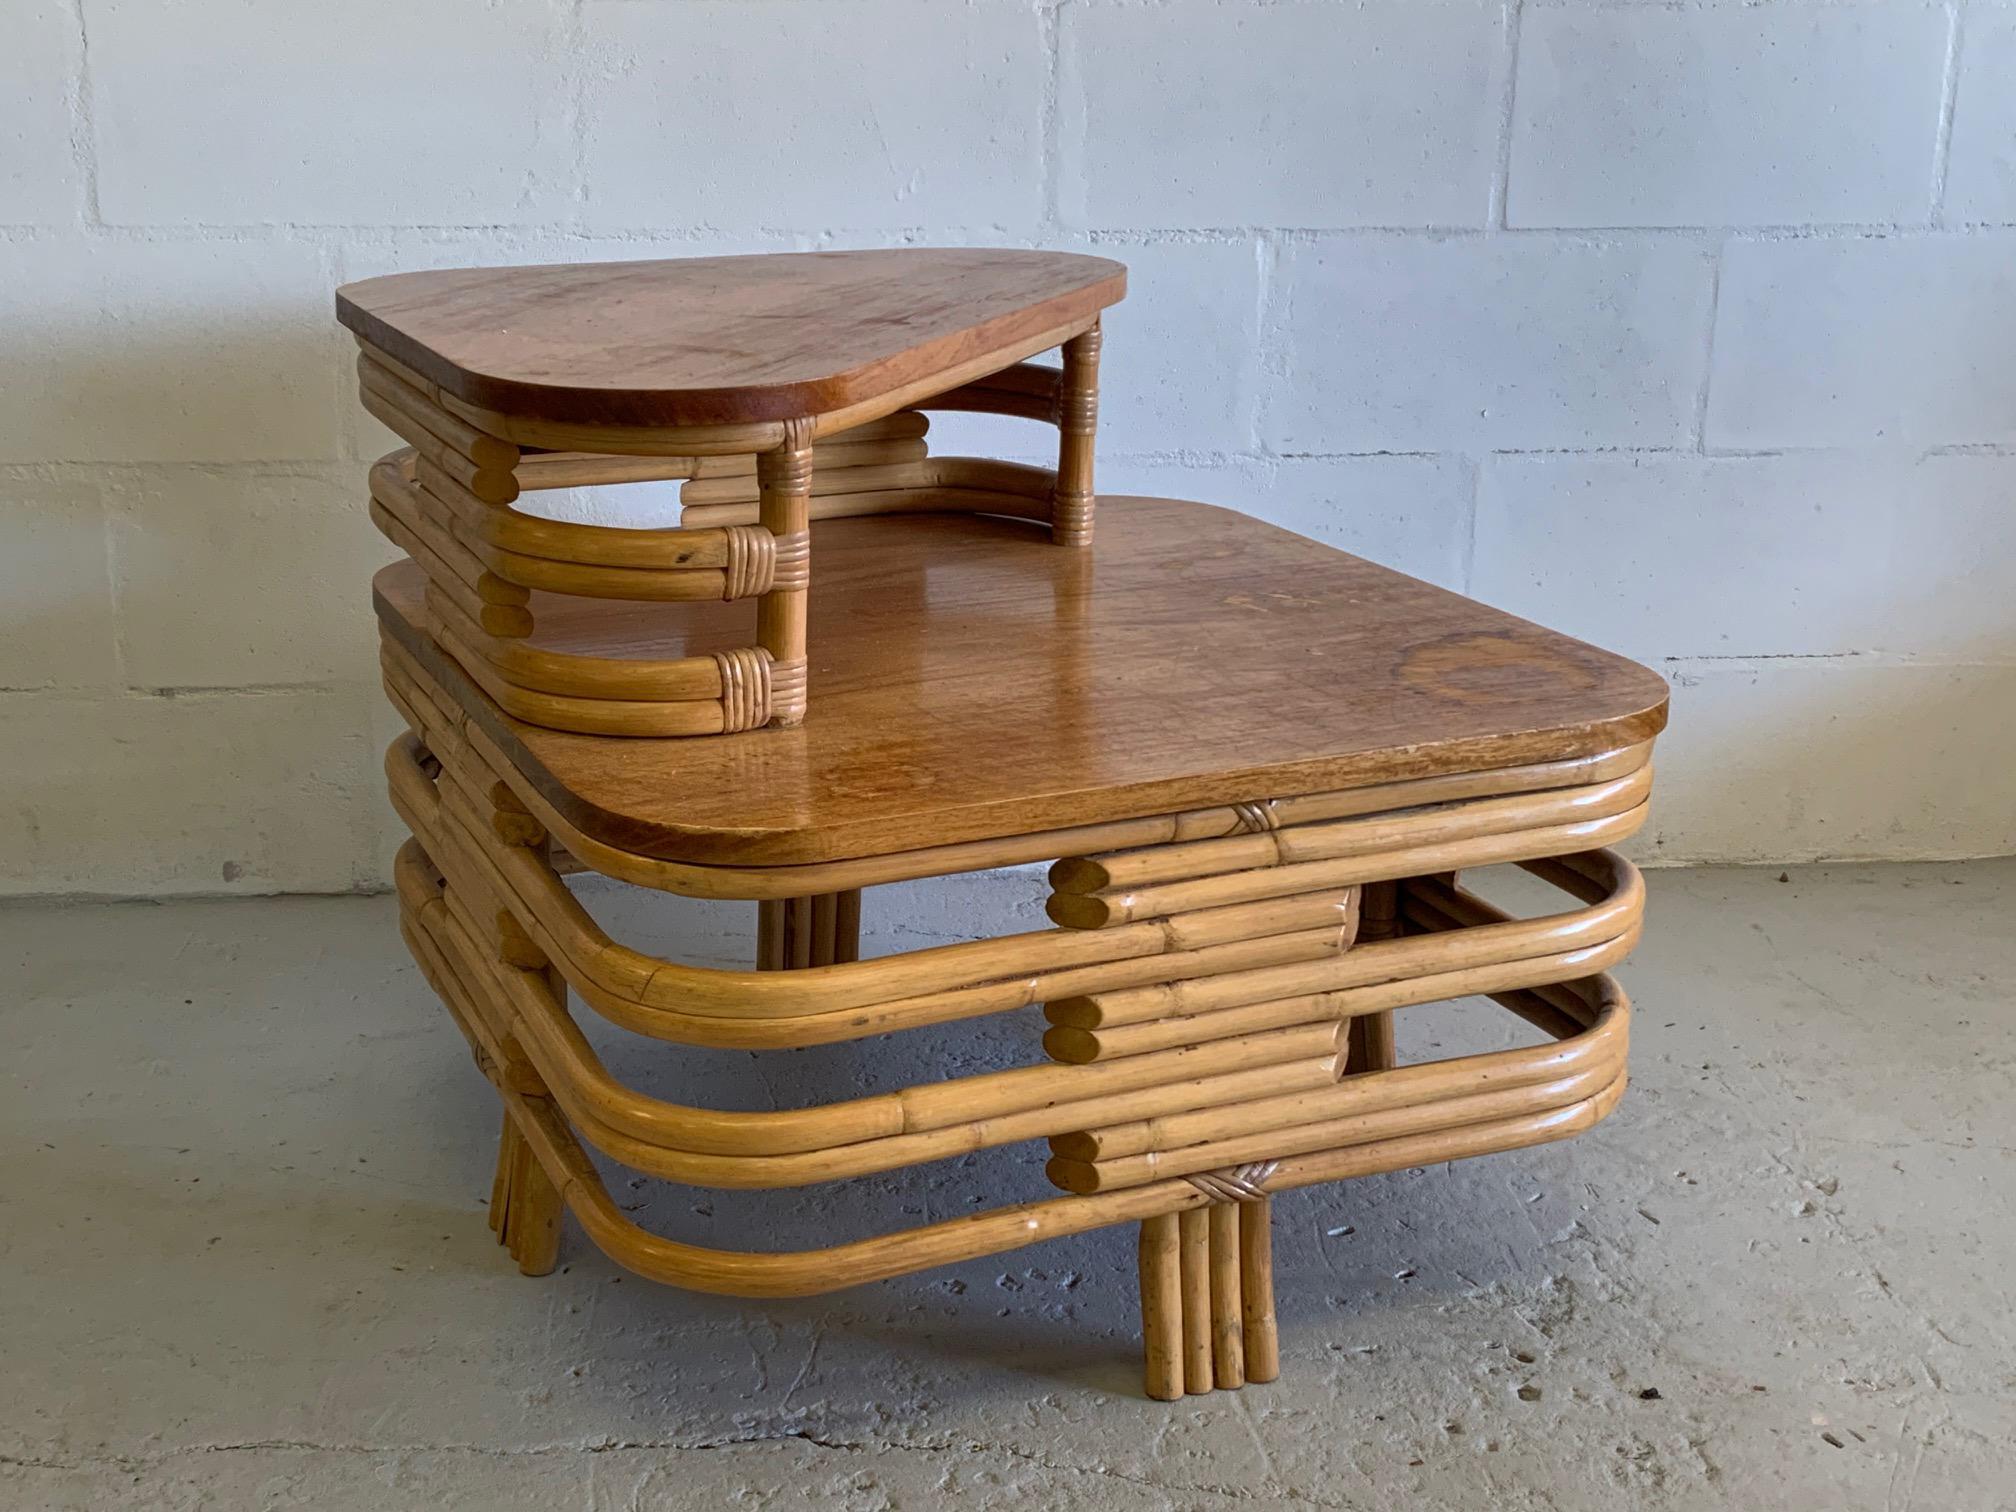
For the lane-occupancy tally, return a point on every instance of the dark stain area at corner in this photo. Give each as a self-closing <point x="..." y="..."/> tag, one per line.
<point x="1493" y="668"/>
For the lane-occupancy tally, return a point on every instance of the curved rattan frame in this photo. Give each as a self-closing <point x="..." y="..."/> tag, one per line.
<point x="1524" y="1103"/>
<point x="1219" y="986"/>
<point x="748" y="496"/>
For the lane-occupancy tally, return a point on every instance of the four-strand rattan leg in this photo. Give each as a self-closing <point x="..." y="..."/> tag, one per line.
<point x="524" y="1205"/>
<point x="1256" y="1290"/>
<point x="1207" y="1299"/>
<point x="1370" y="1046"/>
<point x="792" y="933"/>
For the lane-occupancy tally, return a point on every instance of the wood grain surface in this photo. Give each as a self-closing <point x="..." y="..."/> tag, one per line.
<point x="719" y="340"/>
<point x="971" y="681"/>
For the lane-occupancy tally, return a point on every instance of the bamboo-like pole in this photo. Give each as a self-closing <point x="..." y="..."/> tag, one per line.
<point x="1015" y="503"/>
<point x="916" y="472"/>
<point x="525" y="1205"/>
<point x="1430" y="1082"/>
<point x="1506" y="843"/>
<point x="1090" y="1046"/>
<point x="1194" y="1240"/>
<point x="770" y="934"/>
<point x="690" y="991"/>
<point x="1161" y="1308"/>
<point x="533" y="669"/>
<point x="587" y="715"/>
<point x="847" y="926"/>
<point x="825" y="914"/>
<point x="1358" y="835"/>
<point x="785" y="478"/>
<point x="1027" y="390"/>
<point x="1372" y="1046"/>
<point x="798" y="933"/>
<point x="1077" y="422"/>
<point x="1333" y="1133"/>
<point x="1364" y="964"/>
<point x="859" y="1262"/>
<point x="1256" y="1290"/>
<point x="500" y="1184"/>
<point x="413" y="398"/>
<point x="448" y="579"/>
<point x="1228" y="1343"/>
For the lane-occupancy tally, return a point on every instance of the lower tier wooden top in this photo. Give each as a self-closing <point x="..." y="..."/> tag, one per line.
<point x="971" y="680"/>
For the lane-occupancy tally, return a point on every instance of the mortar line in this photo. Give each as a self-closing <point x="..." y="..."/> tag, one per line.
<point x="1699" y="436"/>
<point x="1270" y="361"/>
<point x="114" y="600"/>
<point x="1512" y="26"/>
<point x="84" y="122"/>
<point x="1949" y="91"/>
<point x="385" y="233"/>
<point x="575" y="25"/>
<point x="1050" y="28"/>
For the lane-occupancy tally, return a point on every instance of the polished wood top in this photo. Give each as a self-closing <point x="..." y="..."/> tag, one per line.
<point x="970" y="680"/>
<point x="719" y="340"/>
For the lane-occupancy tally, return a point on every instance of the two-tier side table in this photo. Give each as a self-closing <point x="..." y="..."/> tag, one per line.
<point x="1258" y="765"/>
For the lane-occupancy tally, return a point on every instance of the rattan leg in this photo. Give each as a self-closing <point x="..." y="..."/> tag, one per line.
<point x="1228" y="1335"/>
<point x="1161" y="1308"/>
<point x="524" y="1205"/>
<point x="824" y="930"/>
<point x="1371" y="1046"/>
<point x="1077" y="420"/>
<point x="500" y="1186"/>
<point x="1194" y="1242"/>
<point x="1207" y="1300"/>
<point x="1256" y="1289"/>
<point x="770" y="935"/>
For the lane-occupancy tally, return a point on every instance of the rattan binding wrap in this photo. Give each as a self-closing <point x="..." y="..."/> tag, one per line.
<point x="1244" y="1183"/>
<point x="448" y="502"/>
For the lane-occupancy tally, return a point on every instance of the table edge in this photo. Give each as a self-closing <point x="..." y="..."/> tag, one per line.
<point x="706" y="845"/>
<point x="733" y="404"/>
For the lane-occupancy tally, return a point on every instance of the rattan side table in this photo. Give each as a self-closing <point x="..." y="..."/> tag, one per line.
<point x="1258" y="765"/>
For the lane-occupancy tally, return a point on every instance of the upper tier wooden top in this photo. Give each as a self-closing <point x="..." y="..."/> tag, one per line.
<point x="719" y="340"/>
<point x="971" y="680"/>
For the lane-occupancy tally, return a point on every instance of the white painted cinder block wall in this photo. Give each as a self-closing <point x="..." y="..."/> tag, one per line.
<point x="1688" y="327"/>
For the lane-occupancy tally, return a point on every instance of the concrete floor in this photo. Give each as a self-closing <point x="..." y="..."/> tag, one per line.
<point x="243" y="1261"/>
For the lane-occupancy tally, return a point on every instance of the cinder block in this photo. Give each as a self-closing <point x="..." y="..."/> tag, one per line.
<point x="1830" y="342"/>
<point x="1801" y="760"/>
<point x="1682" y="116"/>
<point x="226" y="792"/>
<point x="1812" y="555"/>
<point x="1179" y="368"/>
<point x="55" y="591"/>
<point x="224" y="578"/>
<point x="38" y="80"/>
<point x="853" y="115"/>
<point x="373" y="112"/>
<point x="1981" y="166"/>
<point x="1401" y="344"/>
<point x="1303" y="115"/>
<point x="209" y="351"/>
<point x="1408" y="513"/>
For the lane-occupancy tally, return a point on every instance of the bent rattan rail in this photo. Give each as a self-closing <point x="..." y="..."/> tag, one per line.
<point x="1258" y="766"/>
